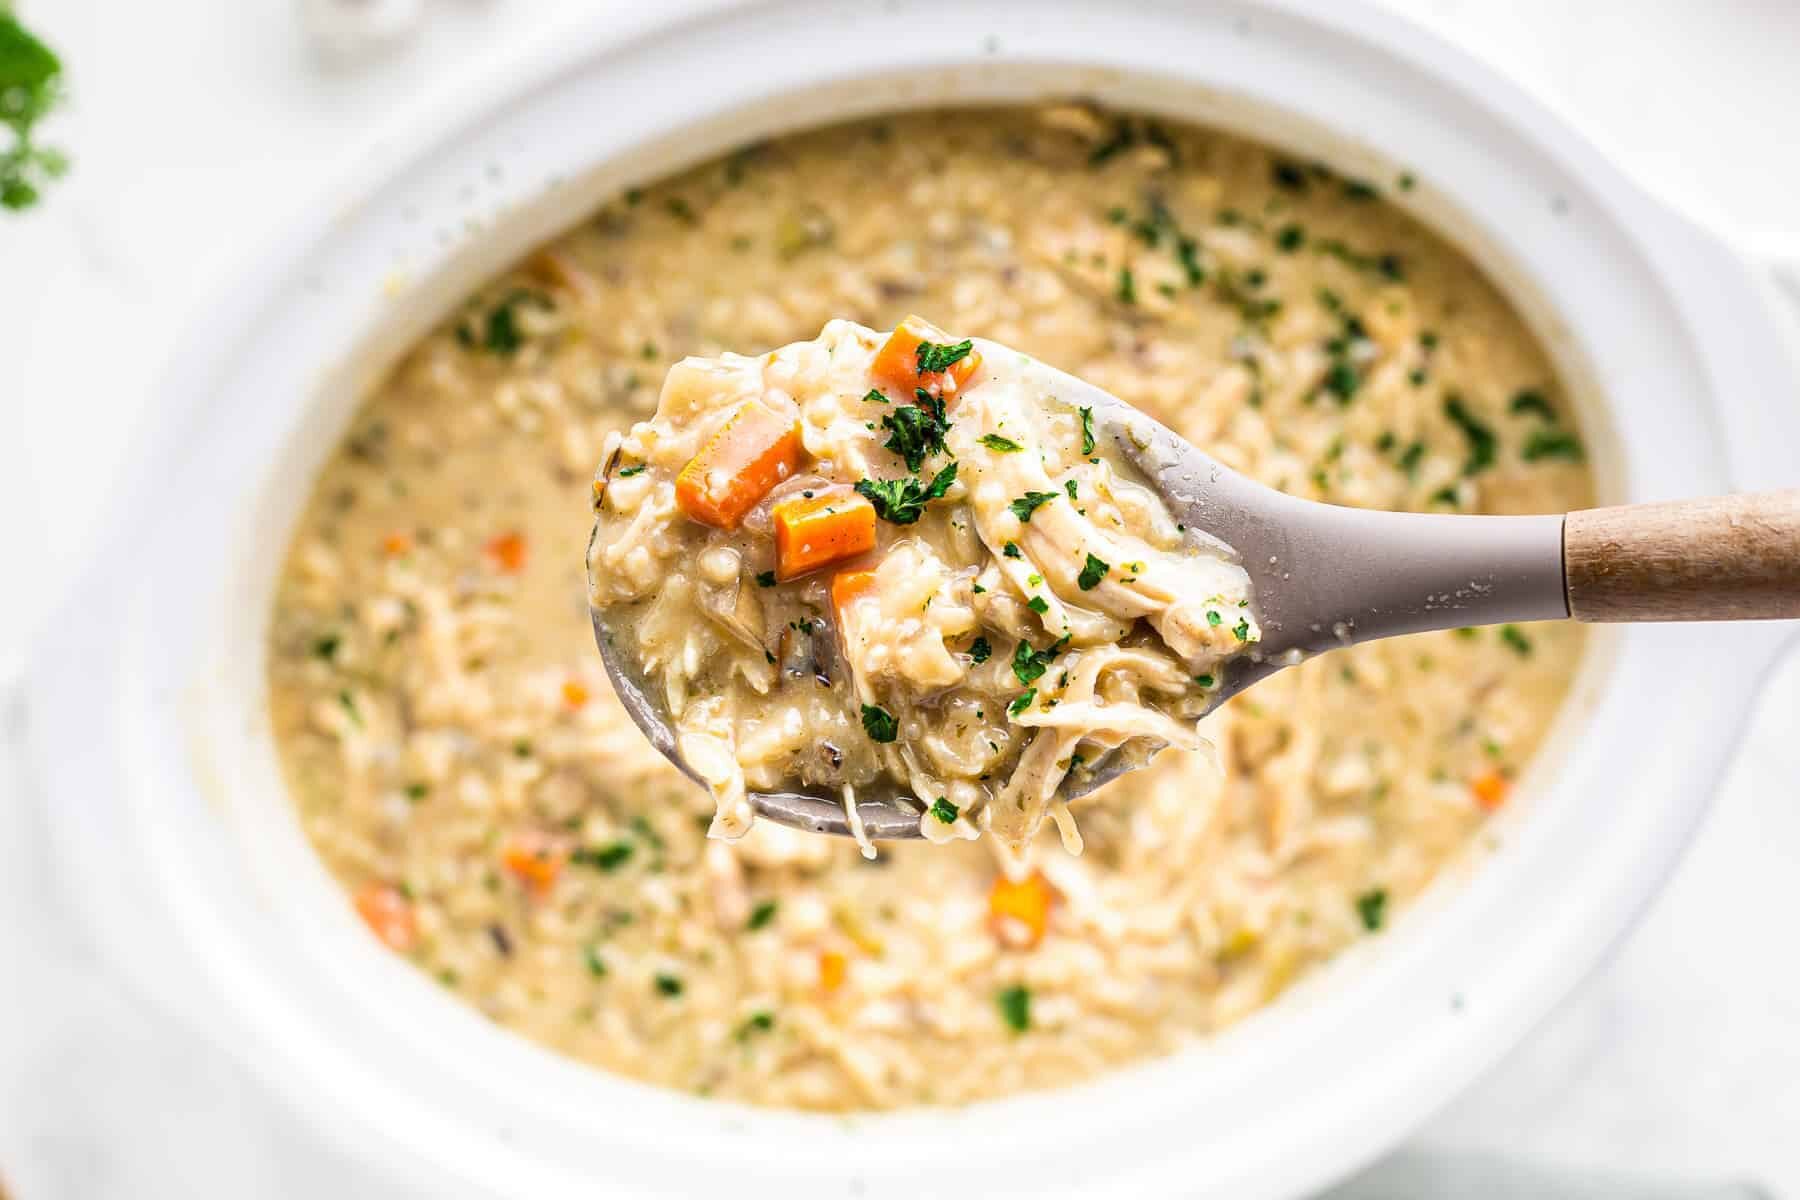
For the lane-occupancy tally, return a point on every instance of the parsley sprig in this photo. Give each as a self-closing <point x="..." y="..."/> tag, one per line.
<point x="903" y="501"/>
<point x="30" y="87"/>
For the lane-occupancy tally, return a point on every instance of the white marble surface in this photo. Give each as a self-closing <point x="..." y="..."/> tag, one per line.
<point x="198" y="122"/>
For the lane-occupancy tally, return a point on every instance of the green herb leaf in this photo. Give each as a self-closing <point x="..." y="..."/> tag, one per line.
<point x="1022" y="701"/>
<point x="979" y="650"/>
<point x="1290" y="238"/>
<point x="1015" y="1007"/>
<point x="1371" y="906"/>
<point x="326" y="647"/>
<point x="668" y="985"/>
<point x="943" y="810"/>
<point x="609" y="857"/>
<point x="1038" y="605"/>
<point x="765" y="579"/>
<point x="628" y="472"/>
<point x="1092" y="573"/>
<point x="1029" y="503"/>
<point x="756" y="1022"/>
<point x="1530" y="400"/>
<point x="1029" y="665"/>
<point x="1127" y="290"/>
<point x="1482" y="442"/>
<point x="903" y="501"/>
<point x="994" y="441"/>
<point x="1241" y="631"/>
<point x="1553" y="443"/>
<point x="1515" y="638"/>
<point x="1011" y="550"/>
<point x="762" y="914"/>
<point x="1070" y="488"/>
<point x="1087" y="431"/>
<point x="595" y="964"/>
<point x="1205" y="681"/>
<point x="874" y="396"/>
<point x="879" y="724"/>
<point x="917" y="431"/>
<point x="934" y="358"/>
<point x="30" y="87"/>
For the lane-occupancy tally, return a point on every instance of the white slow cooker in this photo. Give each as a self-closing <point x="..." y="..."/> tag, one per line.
<point x="148" y="724"/>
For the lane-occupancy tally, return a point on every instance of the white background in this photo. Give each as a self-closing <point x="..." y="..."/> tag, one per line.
<point x="197" y="123"/>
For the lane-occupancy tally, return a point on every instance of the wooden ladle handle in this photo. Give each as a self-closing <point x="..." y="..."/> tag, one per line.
<point x="1724" y="558"/>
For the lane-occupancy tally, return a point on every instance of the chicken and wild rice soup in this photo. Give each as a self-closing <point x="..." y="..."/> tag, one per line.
<point x="968" y="598"/>
<point x="456" y="756"/>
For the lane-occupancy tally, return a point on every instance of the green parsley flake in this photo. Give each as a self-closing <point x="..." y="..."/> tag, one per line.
<point x="1205" y="681"/>
<point x="1029" y="503"/>
<point x="595" y="964"/>
<point x="1069" y="487"/>
<point x="756" y="1022"/>
<point x="1022" y="701"/>
<point x="879" y="724"/>
<point x="1241" y="631"/>
<point x="1092" y="573"/>
<point x="1087" y="431"/>
<point x="979" y="650"/>
<point x="762" y="914"/>
<point x="1029" y="665"/>
<point x="628" y="472"/>
<point x="1127" y="291"/>
<point x="995" y="442"/>
<point x="943" y="810"/>
<point x="874" y="396"/>
<point x="1482" y="442"/>
<point x="1553" y="443"/>
<point x="609" y="857"/>
<point x="916" y="431"/>
<point x="1038" y="605"/>
<point x="1530" y="400"/>
<point x="1371" y="906"/>
<point x="1213" y="618"/>
<point x="1515" y="638"/>
<point x="903" y="501"/>
<point x="933" y="358"/>
<point x="668" y="985"/>
<point x="1015" y="1007"/>
<point x="1011" y="550"/>
<point x="765" y="579"/>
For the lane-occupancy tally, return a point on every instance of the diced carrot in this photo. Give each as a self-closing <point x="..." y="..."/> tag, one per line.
<point x="535" y="859"/>
<point x="756" y="450"/>
<point x="506" y="551"/>
<point x="389" y="913"/>
<point x="827" y="527"/>
<point x="897" y="362"/>
<point x="1490" y="788"/>
<point x="847" y="586"/>
<point x="395" y="544"/>
<point x="1019" y="911"/>
<point x="833" y="967"/>
<point x="574" y="693"/>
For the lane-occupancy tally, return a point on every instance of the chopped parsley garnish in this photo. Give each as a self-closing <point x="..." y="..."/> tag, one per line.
<point x="1092" y="573"/>
<point x="1288" y="175"/>
<point x="1127" y="291"/>
<point x="879" y="724"/>
<point x="765" y="579"/>
<point x="874" y="396"/>
<point x="348" y="703"/>
<point x="1515" y="637"/>
<point x="1371" y="906"/>
<point x="757" y="1022"/>
<point x="902" y="501"/>
<point x="1213" y="618"/>
<point x="1038" y="605"/>
<point x="1290" y="238"/>
<point x="1241" y="631"/>
<point x="1530" y="400"/>
<point x="1087" y="431"/>
<point x="1553" y="443"/>
<point x="1029" y="503"/>
<point x="595" y="964"/>
<point x="762" y="914"/>
<point x="327" y="647"/>
<point x="1022" y="701"/>
<point x="1015" y="1007"/>
<point x="1011" y="550"/>
<point x="30" y="87"/>
<point x="934" y="358"/>
<point x="1204" y="681"/>
<point x="994" y="441"/>
<point x="499" y="333"/>
<point x="1482" y="442"/>
<point x="417" y="791"/>
<point x="917" y="431"/>
<point x="1187" y="253"/>
<point x="1029" y="665"/>
<point x="943" y="810"/>
<point x="628" y="472"/>
<point x="1069" y="487"/>
<point x="1411" y="457"/>
<point x="609" y="857"/>
<point x="979" y="650"/>
<point x="668" y="985"/>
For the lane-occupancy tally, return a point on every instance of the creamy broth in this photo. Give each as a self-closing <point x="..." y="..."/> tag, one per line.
<point x="457" y="760"/>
